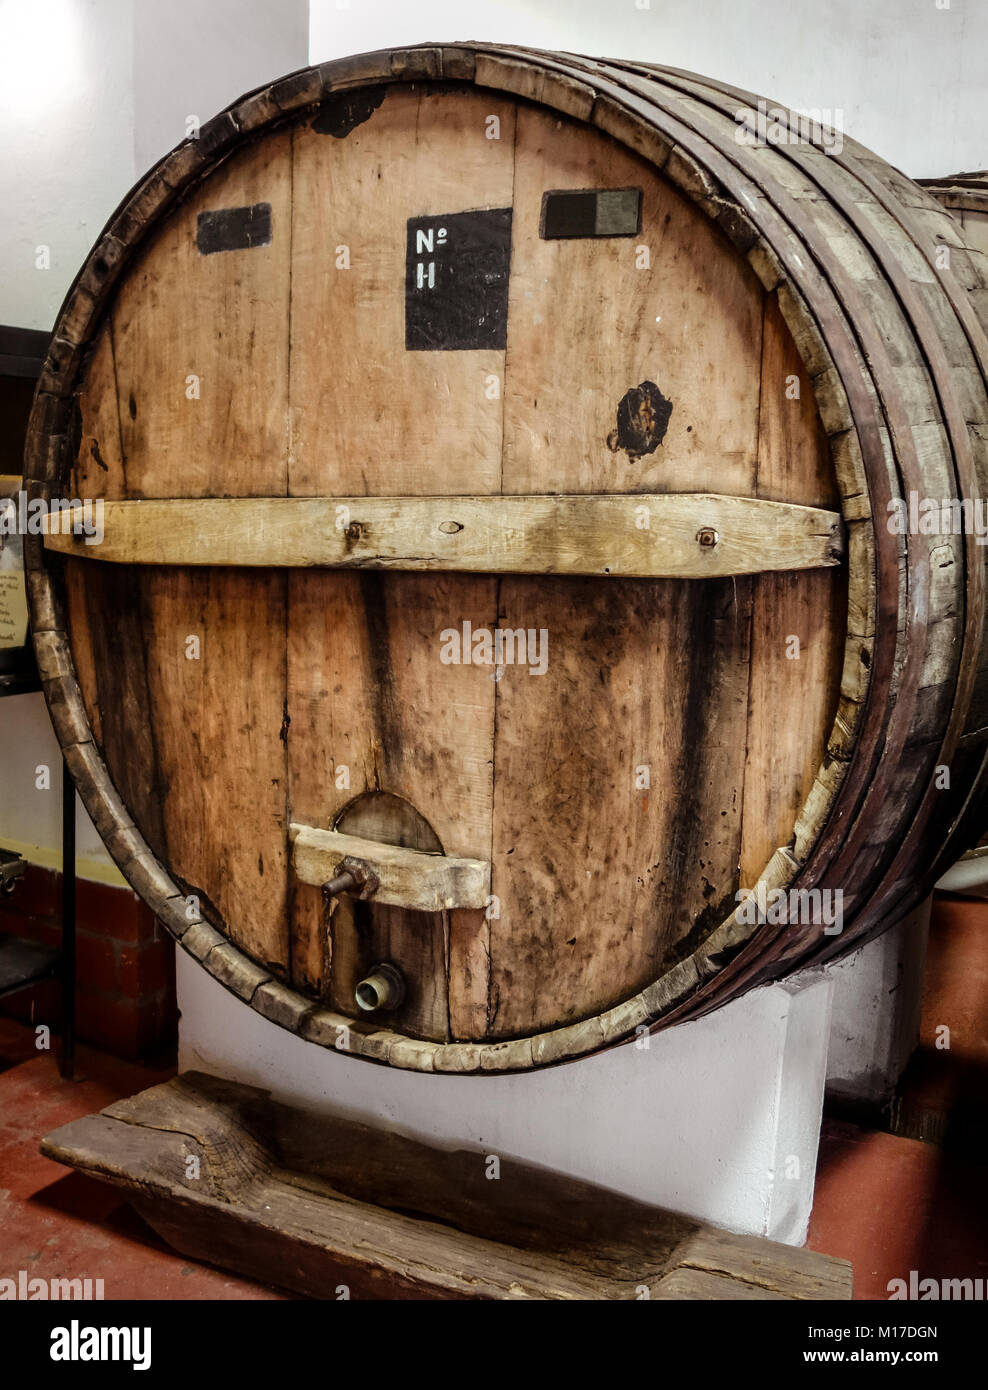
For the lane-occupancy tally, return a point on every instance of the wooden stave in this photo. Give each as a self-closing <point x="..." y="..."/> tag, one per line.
<point x="960" y="194"/>
<point x="860" y="931"/>
<point x="725" y="942"/>
<point x="257" y="112"/>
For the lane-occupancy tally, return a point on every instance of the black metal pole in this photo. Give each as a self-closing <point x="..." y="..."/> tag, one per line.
<point x="68" y="924"/>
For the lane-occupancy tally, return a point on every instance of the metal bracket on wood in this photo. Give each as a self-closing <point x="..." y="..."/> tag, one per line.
<point x="352" y="876"/>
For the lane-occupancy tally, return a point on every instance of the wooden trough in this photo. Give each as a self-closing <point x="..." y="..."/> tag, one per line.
<point x="330" y="1209"/>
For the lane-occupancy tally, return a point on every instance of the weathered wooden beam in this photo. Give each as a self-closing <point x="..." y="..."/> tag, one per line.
<point x="642" y="535"/>
<point x="406" y="877"/>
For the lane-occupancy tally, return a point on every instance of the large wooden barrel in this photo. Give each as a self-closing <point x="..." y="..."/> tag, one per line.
<point x="513" y="469"/>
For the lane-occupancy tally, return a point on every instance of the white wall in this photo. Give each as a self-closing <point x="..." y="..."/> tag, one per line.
<point x="194" y="57"/>
<point x="31" y="802"/>
<point x="92" y="93"/>
<point x="878" y="1005"/>
<point x="909" y="77"/>
<point x="66" y="157"/>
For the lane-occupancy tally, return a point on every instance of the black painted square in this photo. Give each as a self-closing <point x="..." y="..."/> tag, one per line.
<point x="456" y="281"/>
<point x="233" y="229"/>
<point x="590" y="212"/>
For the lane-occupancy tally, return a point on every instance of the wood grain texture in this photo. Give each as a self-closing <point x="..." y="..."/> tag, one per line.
<point x="367" y="416"/>
<point x="617" y="787"/>
<point x="193" y="738"/>
<point x="647" y="681"/>
<point x="202" y="375"/>
<point x="201" y="379"/>
<point x="218" y="724"/>
<point x="370" y="419"/>
<point x="374" y="709"/>
<point x="784" y="754"/>
<point x="660" y="535"/>
<point x="112" y="662"/>
<point x="311" y="1203"/>
<point x="97" y="471"/>
<point x="862" y="845"/>
<point x="586" y="325"/>
<point x="98" y="466"/>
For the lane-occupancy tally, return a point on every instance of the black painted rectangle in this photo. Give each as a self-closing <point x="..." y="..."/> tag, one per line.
<point x="568" y="215"/>
<point x="234" y="229"/>
<point x="456" y="281"/>
<point x="590" y="212"/>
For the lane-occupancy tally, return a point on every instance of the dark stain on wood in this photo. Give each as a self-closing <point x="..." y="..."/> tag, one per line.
<point x="642" y="420"/>
<point x="386" y="708"/>
<point x="708" y="921"/>
<point x="286" y="720"/>
<point x="710" y="607"/>
<point x="75" y="428"/>
<point x="342" y="115"/>
<point x="126" y="716"/>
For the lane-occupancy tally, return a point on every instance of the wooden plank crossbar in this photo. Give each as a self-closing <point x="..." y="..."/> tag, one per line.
<point x="636" y="535"/>
<point x="406" y="877"/>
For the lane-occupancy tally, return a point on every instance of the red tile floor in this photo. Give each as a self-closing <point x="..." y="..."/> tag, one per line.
<point x="889" y="1204"/>
<point x="58" y="1224"/>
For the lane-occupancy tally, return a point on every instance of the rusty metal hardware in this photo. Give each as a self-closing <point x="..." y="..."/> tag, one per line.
<point x="352" y="876"/>
<point x="707" y="537"/>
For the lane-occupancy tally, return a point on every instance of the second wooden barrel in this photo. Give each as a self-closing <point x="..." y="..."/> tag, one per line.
<point x="516" y="619"/>
<point x="966" y="195"/>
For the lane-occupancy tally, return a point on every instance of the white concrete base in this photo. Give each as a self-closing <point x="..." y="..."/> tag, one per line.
<point x="878" y="999"/>
<point x="719" y="1119"/>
